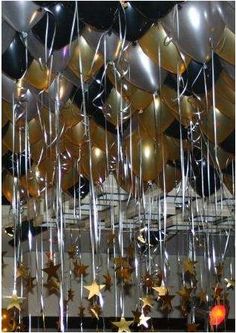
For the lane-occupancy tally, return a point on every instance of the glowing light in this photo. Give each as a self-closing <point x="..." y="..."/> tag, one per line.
<point x="194" y="17"/>
<point x="33" y="16"/>
<point x="97" y="152"/>
<point x="147" y="151"/>
<point x="217" y="315"/>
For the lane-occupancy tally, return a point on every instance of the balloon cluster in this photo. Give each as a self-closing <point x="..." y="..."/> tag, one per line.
<point x="122" y="87"/>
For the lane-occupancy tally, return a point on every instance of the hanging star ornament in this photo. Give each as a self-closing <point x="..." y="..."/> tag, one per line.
<point x="71" y="295"/>
<point x="147" y="301"/>
<point x="162" y="290"/>
<point x="53" y="286"/>
<point x="219" y="268"/>
<point x="29" y="283"/>
<point x="136" y="315"/>
<point x="94" y="289"/>
<point x="192" y="327"/>
<point x="147" y="280"/>
<point x="111" y="238"/>
<point x="189" y="266"/>
<point x="166" y="306"/>
<point x="15" y="302"/>
<point x="143" y="320"/>
<point x="81" y="311"/>
<point x="108" y="281"/>
<point x="185" y="293"/>
<point x="202" y="297"/>
<point x="123" y="325"/>
<point x="95" y="310"/>
<point x="230" y="283"/>
<point x="22" y="271"/>
<point x="79" y="269"/>
<point x="51" y="270"/>
<point x="72" y="251"/>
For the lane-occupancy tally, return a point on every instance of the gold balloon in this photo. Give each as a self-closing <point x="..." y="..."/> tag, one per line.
<point x="4" y="149"/>
<point x="226" y="47"/>
<point x="227" y="80"/>
<point x="40" y="151"/>
<point x="76" y="134"/>
<point x="223" y="87"/>
<point x="156" y="44"/>
<point x="148" y="156"/>
<point x="69" y="179"/>
<point x="18" y="145"/>
<point x="73" y="150"/>
<point x="100" y="137"/>
<point x="173" y="147"/>
<point x="138" y="99"/>
<point x="35" y="131"/>
<point x="70" y="115"/>
<point x="8" y="186"/>
<point x="228" y="181"/>
<point x="224" y="125"/>
<point x="222" y="156"/>
<point x="38" y="76"/>
<point x="98" y="166"/>
<point x="116" y="108"/>
<point x="156" y="118"/>
<point x="168" y="96"/>
<point x="224" y="105"/>
<point x="47" y="170"/>
<point x="172" y="177"/>
<point x="90" y="62"/>
<point x="33" y="182"/>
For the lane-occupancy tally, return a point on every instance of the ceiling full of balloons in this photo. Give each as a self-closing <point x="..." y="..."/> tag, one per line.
<point x="141" y="92"/>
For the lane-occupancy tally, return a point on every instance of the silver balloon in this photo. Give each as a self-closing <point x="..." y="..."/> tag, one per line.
<point x="21" y="15"/>
<point x="108" y="41"/>
<point x="199" y="22"/>
<point x="8" y="34"/>
<point x="227" y="10"/>
<point x="60" y="58"/>
<point x="140" y="70"/>
<point x="8" y="88"/>
<point x="230" y="69"/>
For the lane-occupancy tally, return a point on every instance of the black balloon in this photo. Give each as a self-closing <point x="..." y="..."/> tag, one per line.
<point x="15" y="163"/>
<point x="230" y="169"/>
<point x="61" y="19"/>
<point x="201" y="182"/>
<point x="14" y="59"/>
<point x="192" y="81"/>
<point x="46" y="3"/>
<point x="229" y="143"/>
<point x="80" y="189"/>
<point x="154" y="10"/>
<point x="130" y="19"/>
<point x="99" y="14"/>
<point x="174" y="130"/>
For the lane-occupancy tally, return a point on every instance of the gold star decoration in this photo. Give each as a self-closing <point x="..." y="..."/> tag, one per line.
<point x="217" y="290"/>
<point x="189" y="266"/>
<point x="29" y="283"/>
<point x="15" y="302"/>
<point x="202" y="297"/>
<point x="192" y="327"/>
<point x="219" y="269"/>
<point x="22" y="271"/>
<point x="184" y="308"/>
<point x="185" y="293"/>
<point x="166" y="303"/>
<point x="52" y="286"/>
<point x="162" y="290"/>
<point x="123" y="325"/>
<point x="94" y="289"/>
<point x="95" y="311"/>
<point x="79" y="269"/>
<point x="137" y="315"/>
<point x="108" y="281"/>
<point x="121" y="261"/>
<point x="124" y="273"/>
<point x="143" y="320"/>
<point x="71" y="251"/>
<point x="147" y="301"/>
<point x="230" y="283"/>
<point x="147" y="280"/>
<point x="81" y="310"/>
<point x="71" y="295"/>
<point x="51" y="270"/>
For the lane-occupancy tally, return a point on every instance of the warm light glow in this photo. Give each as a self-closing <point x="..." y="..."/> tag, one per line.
<point x="157" y="102"/>
<point x="33" y="16"/>
<point x="217" y="315"/>
<point x="97" y="152"/>
<point x="147" y="151"/>
<point x="194" y="17"/>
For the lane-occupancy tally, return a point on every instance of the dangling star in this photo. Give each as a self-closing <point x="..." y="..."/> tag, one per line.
<point x="29" y="283"/>
<point x="202" y="297"/>
<point x="81" y="311"/>
<point x="121" y="261"/>
<point x="123" y="325"/>
<point x="95" y="311"/>
<point x="94" y="289"/>
<point x="108" y="281"/>
<point x="143" y="320"/>
<point x="110" y="238"/>
<point x="71" y="251"/>
<point x="71" y="295"/>
<point x="217" y="291"/>
<point x="219" y="269"/>
<point x="189" y="266"/>
<point x="15" y="302"/>
<point x="148" y="280"/>
<point x="22" y="271"/>
<point x="52" y="286"/>
<point x="162" y="290"/>
<point x="147" y="301"/>
<point x="51" y="270"/>
<point x="230" y="283"/>
<point x="79" y="269"/>
<point x="185" y="293"/>
<point x="166" y="303"/>
<point x="137" y="315"/>
<point x="192" y="327"/>
<point x="124" y="273"/>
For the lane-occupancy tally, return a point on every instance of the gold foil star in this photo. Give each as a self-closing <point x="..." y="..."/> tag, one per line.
<point x="185" y="293"/>
<point x="148" y="280"/>
<point x="124" y="273"/>
<point x="123" y="325"/>
<point x="79" y="269"/>
<point x="51" y="270"/>
<point x="137" y="315"/>
<point x="71" y="251"/>
<point x="121" y="261"/>
<point x="166" y="303"/>
<point x="230" y="283"/>
<point x="52" y="286"/>
<point x="202" y="297"/>
<point x="189" y="266"/>
<point x="147" y="301"/>
<point x="94" y="289"/>
<point x="143" y="320"/>
<point x="95" y="311"/>
<point x="15" y="302"/>
<point x="108" y="281"/>
<point x="162" y="290"/>
<point x="81" y="310"/>
<point x="29" y="283"/>
<point x="22" y="271"/>
<point x="71" y="295"/>
<point x="192" y="327"/>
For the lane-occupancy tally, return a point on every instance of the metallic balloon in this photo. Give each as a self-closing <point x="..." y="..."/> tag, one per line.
<point x="224" y="125"/>
<point x="35" y="131"/>
<point x="8" y="32"/>
<point x="223" y="102"/>
<point x="70" y="114"/>
<point x="156" y="44"/>
<point x="199" y="21"/>
<point x="224" y="88"/>
<point x="21" y="15"/>
<point x="90" y="62"/>
<point x="69" y="179"/>
<point x="226" y="47"/>
<point x="156" y="118"/>
<point x="15" y="144"/>
<point x="99" y="137"/>
<point x="173" y="147"/>
<point x="70" y="76"/>
<point x="60" y="58"/>
<point x="222" y="156"/>
<point x="8" y="186"/>
<point x="38" y="76"/>
<point x="227" y="11"/>
<point x="229" y="183"/>
<point x="171" y="176"/>
<point x="230" y="69"/>
<point x="76" y="134"/>
<point x="47" y="169"/>
<point x="108" y="44"/>
<point x="98" y="163"/>
<point x="148" y="156"/>
<point x="140" y="70"/>
<point x="8" y="88"/>
<point x="33" y="182"/>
